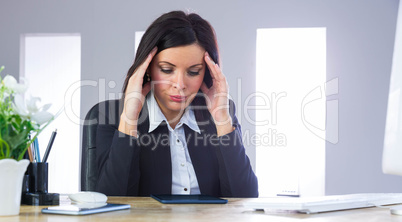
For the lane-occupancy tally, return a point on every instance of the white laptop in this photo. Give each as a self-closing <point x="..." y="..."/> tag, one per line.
<point x="324" y="203"/>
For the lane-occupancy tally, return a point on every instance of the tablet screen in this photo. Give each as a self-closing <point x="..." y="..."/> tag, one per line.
<point x="188" y="199"/>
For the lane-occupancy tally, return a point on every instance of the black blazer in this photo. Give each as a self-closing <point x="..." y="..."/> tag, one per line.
<point x="139" y="167"/>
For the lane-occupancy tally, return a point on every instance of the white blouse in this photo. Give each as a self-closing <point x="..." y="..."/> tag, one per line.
<point x="184" y="180"/>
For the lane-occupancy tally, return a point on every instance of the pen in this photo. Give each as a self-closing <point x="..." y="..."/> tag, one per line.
<point x="29" y="150"/>
<point x="33" y="151"/>
<point x="31" y="159"/>
<point x="49" y="146"/>
<point x="36" y="147"/>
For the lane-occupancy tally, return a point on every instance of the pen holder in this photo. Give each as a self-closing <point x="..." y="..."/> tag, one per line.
<point x="38" y="177"/>
<point x="35" y="186"/>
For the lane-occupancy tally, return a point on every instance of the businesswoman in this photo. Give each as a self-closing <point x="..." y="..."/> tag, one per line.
<point x="175" y="130"/>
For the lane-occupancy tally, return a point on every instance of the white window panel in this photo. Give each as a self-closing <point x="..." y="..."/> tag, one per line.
<point x="52" y="63"/>
<point x="291" y="111"/>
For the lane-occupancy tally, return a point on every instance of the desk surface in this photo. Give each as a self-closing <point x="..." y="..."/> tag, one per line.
<point x="148" y="209"/>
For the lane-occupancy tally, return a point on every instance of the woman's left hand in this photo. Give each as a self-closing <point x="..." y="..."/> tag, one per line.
<point x="217" y="98"/>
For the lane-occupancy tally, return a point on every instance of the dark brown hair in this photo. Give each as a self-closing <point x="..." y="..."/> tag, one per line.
<point x="172" y="29"/>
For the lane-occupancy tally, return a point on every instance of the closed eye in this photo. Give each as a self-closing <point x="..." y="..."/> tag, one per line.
<point x="167" y="71"/>
<point x="193" y="73"/>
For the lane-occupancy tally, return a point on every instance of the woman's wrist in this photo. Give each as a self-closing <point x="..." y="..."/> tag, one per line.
<point x="224" y="127"/>
<point x="128" y="126"/>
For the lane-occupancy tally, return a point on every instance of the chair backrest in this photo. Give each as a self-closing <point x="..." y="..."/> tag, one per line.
<point x="89" y="168"/>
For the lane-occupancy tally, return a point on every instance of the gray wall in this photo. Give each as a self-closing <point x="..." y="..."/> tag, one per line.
<point x="360" y="37"/>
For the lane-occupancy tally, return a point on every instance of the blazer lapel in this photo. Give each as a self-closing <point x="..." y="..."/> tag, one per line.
<point x="155" y="161"/>
<point x="203" y="159"/>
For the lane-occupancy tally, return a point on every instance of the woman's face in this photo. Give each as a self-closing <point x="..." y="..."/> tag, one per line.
<point x="177" y="74"/>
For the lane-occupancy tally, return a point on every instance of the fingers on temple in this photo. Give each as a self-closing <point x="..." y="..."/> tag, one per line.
<point x="214" y="68"/>
<point x="210" y="64"/>
<point x="144" y="66"/>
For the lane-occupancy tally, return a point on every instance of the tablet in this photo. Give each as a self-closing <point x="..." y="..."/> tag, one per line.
<point x="84" y="209"/>
<point x="188" y="199"/>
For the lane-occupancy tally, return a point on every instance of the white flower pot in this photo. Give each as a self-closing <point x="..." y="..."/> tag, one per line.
<point x="11" y="176"/>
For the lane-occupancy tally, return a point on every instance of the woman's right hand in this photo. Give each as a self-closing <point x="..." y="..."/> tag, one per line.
<point x="134" y="97"/>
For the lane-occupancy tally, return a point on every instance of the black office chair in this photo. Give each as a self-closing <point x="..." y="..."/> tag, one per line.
<point x="89" y="169"/>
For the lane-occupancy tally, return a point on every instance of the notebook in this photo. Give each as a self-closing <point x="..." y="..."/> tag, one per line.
<point x="325" y="203"/>
<point x="85" y="209"/>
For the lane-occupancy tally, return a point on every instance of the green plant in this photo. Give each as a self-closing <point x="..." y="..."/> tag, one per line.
<point x="21" y="120"/>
